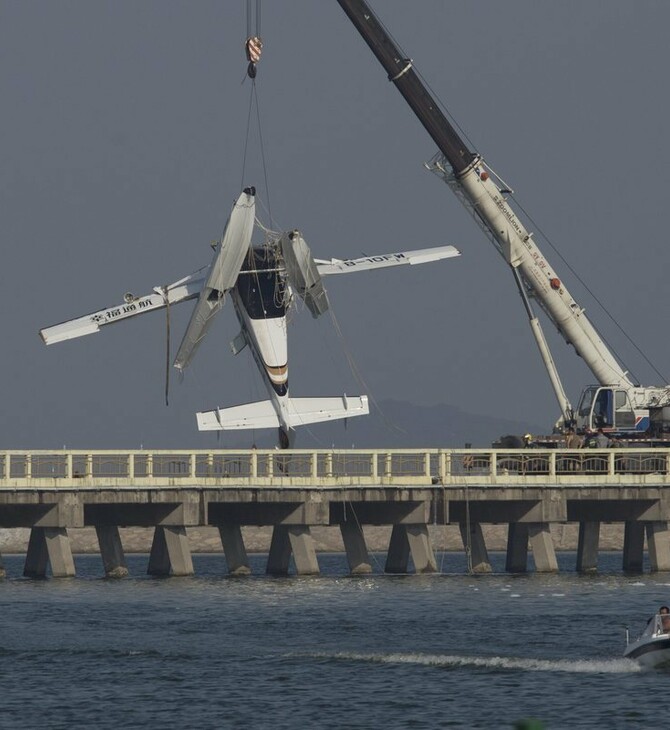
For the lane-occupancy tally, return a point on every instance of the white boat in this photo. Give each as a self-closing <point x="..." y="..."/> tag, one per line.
<point x="652" y="649"/>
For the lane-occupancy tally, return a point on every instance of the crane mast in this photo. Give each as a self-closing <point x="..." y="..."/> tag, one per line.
<point x="484" y="195"/>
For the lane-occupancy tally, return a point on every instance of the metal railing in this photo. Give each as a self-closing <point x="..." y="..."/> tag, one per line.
<point x="432" y="466"/>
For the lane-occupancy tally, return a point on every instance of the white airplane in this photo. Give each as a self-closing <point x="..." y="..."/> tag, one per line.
<point x="261" y="281"/>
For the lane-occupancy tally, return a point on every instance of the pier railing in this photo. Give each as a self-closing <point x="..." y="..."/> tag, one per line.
<point x="325" y="467"/>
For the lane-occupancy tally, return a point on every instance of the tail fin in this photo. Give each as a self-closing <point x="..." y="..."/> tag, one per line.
<point x="300" y="412"/>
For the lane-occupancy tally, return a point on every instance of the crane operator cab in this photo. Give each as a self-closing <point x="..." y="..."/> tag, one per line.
<point x="609" y="408"/>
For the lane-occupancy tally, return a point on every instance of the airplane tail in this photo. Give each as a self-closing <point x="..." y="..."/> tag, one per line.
<point x="301" y="411"/>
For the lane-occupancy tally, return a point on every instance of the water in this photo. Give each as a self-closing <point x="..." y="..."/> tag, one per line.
<point x="335" y="652"/>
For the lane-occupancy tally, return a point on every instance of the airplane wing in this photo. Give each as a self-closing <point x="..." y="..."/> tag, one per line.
<point x="303" y="273"/>
<point x="187" y="288"/>
<point x="421" y="256"/>
<point x="223" y="274"/>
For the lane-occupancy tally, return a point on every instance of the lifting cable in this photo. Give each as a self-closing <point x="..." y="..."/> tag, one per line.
<point x="253" y="47"/>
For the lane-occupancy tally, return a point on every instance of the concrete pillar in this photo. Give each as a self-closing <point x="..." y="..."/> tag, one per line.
<point x="473" y="540"/>
<point x="233" y="547"/>
<point x="302" y="546"/>
<point x="49" y="546"/>
<point x="280" y="552"/>
<point x="633" y="546"/>
<point x="542" y="545"/>
<point x="517" y="548"/>
<point x="397" y="558"/>
<point x="170" y="554"/>
<point x="658" y="546"/>
<point x="587" y="547"/>
<point x="3" y="572"/>
<point x="357" y="551"/>
<point x="421" y="549"/>
<point x="296" y="540"/>
<point x="111" y="551"/>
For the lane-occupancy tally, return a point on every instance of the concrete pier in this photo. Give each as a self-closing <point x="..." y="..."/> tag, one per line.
<point x="170" y="554"/>
<point x="474" y="543"/>
<point x="234" y="550"/>
<point x="49" y="546"/>
<point x="542" y="546"/>
<point x="171" y="491"/>
<point x="633" y="547"/>
<point x="111" y="551"/>
<point x="295" y="540"/>
<point x="517" y="548"/>
<point x="355" y="547"/>
<point x="658" y="546"/>
<point x="587" y="547"/>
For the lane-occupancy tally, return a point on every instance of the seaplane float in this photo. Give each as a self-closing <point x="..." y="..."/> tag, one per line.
<point x="652" y="649"/>
<point x="262" y="282"/>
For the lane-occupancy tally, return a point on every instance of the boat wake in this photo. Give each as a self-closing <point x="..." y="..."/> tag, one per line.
<point x="447" y="661"/>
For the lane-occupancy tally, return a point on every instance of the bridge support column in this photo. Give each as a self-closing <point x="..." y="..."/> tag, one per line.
<point x="233" y="547"/>
<point x="414" y="540"/>
<point x="111" y="551"/>
<point x="658" y="546"/>
<point x="633" y="546"/>
<point x="170" y="553"/>
<point x="473" y="541"/>
<point x="587" y="547"/>
<point x="544" y="554"/>
<point x="357" y="551"/>
<point x="49" y="546"/>
<point x="517" y="548"/>
<point x="296" y="540"/>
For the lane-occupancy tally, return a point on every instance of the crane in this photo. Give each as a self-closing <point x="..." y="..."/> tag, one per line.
<point x="616" y="404"/>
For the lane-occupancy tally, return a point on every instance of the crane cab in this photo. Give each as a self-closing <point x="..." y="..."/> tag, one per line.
<point x="609" y="408"/>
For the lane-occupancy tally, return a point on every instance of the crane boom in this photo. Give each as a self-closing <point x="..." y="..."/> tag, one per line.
<point x="473" y="182"/>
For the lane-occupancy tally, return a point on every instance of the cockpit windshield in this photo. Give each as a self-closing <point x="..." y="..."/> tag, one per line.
<point x="261" y="286"/>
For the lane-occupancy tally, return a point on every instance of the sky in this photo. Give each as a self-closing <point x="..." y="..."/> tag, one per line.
<point x="123" y="147"/>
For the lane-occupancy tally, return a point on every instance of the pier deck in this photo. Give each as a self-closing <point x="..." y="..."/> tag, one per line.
<point x="51" y="491"/>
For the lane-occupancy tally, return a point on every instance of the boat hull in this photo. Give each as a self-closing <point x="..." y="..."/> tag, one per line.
<point x="651" y="652"/>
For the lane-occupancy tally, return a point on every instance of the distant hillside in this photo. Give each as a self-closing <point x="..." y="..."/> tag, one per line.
<point x="397" y="424"/>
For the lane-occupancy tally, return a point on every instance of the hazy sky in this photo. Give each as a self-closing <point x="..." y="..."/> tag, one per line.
<point x="123" y="130"/>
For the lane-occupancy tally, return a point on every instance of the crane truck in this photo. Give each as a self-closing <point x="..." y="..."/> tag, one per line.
<point x="621" y="407"/>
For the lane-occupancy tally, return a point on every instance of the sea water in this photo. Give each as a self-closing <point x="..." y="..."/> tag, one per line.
<point x="442" y="651"/>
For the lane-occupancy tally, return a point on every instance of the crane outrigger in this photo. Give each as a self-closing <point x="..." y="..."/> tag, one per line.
<point x="616" y="404"/>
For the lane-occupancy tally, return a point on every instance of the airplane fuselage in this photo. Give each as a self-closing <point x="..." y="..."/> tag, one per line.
<point x="260" y="301"/>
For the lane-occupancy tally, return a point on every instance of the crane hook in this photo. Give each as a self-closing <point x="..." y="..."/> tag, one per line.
<point x="253" y="48"/>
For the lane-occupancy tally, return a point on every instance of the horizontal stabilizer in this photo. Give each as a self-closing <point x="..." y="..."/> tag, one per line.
<point x="187" y="288"/>
<point x="315" y="410"/>
<point x="300" y="412"/>
<point x="223" y="273"/>
<point x="421" y="256"/>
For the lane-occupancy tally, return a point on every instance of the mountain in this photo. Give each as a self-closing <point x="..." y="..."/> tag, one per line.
<point x="396" y="424"/>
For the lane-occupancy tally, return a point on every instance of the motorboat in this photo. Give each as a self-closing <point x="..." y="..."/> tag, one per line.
<point x="652" y="649"/>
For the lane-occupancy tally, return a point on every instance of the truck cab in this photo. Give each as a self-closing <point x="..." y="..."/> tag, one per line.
<point x="609" y="407"/>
